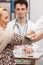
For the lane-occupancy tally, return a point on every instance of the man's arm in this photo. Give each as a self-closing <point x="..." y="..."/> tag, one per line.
<point x="37" y="37"/>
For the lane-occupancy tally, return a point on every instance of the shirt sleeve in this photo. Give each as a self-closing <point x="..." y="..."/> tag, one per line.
<point x="6" y="36"/>
<point x="38" y="26"/>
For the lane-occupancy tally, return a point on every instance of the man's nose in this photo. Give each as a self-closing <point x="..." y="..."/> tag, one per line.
<point x="20" y="10"/>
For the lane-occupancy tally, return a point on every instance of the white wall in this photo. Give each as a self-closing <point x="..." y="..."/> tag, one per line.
<point x="36" y="9"/>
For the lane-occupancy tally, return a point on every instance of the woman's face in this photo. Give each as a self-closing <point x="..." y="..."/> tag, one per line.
<point x="4" y="17"/>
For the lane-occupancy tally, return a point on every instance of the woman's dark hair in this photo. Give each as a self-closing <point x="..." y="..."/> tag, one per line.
<point x="21" y="2"/>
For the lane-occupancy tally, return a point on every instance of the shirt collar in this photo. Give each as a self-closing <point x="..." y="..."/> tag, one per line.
<point x="16" y="22"/>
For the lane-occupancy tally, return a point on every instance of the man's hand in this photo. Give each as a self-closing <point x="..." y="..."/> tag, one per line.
<point x="28" y="50"/>
<point x="29" y="33"/>
<point x="36" y="37"/>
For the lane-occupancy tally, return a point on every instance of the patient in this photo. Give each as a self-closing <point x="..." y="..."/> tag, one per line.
<point x="6" y="35"/>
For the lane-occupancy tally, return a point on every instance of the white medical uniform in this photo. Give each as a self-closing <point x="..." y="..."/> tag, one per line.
<point x="22" y="30"/>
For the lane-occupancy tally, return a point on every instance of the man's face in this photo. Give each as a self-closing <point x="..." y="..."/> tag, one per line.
<point x="4" y="17"/>
<point x="20" y="10"/>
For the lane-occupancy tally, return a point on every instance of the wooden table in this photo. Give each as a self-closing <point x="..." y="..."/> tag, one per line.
<point x="35" y="56"/>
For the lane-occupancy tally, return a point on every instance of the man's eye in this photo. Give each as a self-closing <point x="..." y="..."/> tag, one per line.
<point x="18" y="9"/>
<point x="23" y="9"/>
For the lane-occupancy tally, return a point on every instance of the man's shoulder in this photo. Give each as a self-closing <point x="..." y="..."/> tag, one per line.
<point x="30" y="22"/>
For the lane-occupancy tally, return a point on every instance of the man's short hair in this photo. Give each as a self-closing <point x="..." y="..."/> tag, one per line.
<point x="21" y="2"/>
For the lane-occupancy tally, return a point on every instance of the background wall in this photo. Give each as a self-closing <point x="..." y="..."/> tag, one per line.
<point x="36" y="9"/>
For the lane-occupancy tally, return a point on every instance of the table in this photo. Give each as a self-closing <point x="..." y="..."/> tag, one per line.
<point x="34" y="56"/>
